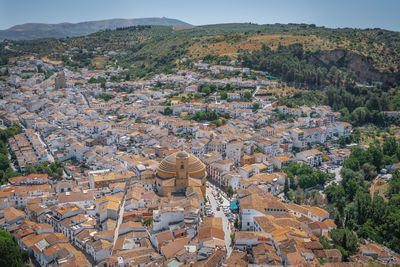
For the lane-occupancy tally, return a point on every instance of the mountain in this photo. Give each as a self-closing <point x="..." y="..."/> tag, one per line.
<point x="31" y="31"/>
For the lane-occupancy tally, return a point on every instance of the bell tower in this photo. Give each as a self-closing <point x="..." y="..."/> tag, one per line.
<point x="182" y="171"/>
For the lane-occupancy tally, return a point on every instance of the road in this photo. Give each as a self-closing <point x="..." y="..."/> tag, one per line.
<point x="50" y="156"/>
<point x="120" y="214"/>
<point x="225" y="221"/>
<point x="85" y="98"/>
<point x="120" y="217"/>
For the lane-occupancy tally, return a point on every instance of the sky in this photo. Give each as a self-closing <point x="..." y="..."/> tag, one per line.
<point x="329" y="13"/>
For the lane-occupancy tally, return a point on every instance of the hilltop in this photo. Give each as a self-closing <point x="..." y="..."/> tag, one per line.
<point x="31" y="31"/>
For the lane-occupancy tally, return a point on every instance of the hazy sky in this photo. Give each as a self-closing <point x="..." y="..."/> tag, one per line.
<point x="339" y="13"/>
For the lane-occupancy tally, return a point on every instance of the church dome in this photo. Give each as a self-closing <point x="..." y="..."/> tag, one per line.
<point x="167" y="167"/>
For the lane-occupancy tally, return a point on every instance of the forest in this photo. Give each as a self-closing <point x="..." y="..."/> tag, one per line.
<point x="6" y="171"/>
<point x="10" y="252"/>
<point x="292" y="65"/>
<point x="368" y="214"/>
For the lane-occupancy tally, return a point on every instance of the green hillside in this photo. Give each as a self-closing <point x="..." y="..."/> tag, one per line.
<point x="368" y="55"/>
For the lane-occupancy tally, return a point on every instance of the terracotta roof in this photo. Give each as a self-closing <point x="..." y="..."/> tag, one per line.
<point x="266" y="224"/>
<point x="101" y="244"/>
<point x="213" y="260"/>
<point x="164" y="236"/>
<point x="174" y="246"/>
<point x="333" y="253"/>
<point x="330" y="223"/>
<point x="317" y="225"/>
<point x="237" y="259"/>
<point x="211" y="227"/>
<point x="76" y="196"/>
<point x="318" y="211"/>
<point x="11" y="214"/>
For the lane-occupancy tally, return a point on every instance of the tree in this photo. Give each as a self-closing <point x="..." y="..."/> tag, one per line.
<point x="395" y="201"/>
<point x="394" y="183"/>
<point x="378" y="210"/>
<point x="233" y="237"/>
<point x="4" y="162"/>
<point x="392" y="226"/>
<point x="256" y="106"/>
<point x="229" y="191"/>
<point x="238" y="223"/>
<point x="248" y="95"/>
<point x="369" y="171"/>
<point x="362" y="206"/>
<point x="105" y="97"/>
<point x="336" y="195"/>
<point x="367" y="230"/>
<point x="306" y="176"/>
<point x="54" y="169"/>
<point x="342" y="142"/>
<point x="352" y="163"/>
<point x="351" y="188"/>
<point x="206" y="90"/>
<point x="98" y="80"/>
<point x="147" y="222"/>
<point x="224" y="95"/>
<point x="359" y="116"/>
<point x="168" y="111"/>
<point x="325" y="242"/>
<point x="10" y="253"/>
<point x="356" y="135"/>
<point x="286" y="188"/>
<point x="344" y="238"/>
<point x="389" y="146"/>
<point x="258" y="150"/>
<point x="7" y="174"/>
<point x="375" y="151"/>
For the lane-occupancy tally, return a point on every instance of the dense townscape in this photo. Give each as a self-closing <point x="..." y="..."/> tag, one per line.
<point x="186" y="168"/>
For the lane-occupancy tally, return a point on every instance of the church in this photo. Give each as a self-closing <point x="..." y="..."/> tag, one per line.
<point x="177" y="172"/>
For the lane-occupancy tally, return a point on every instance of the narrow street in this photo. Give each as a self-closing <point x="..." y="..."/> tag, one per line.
<point x="85" y="98"/>
<point x="225" y="222"/>
<point x="119" y="221"/>
<point x="120" y="215"/>
<point x="51" y="158"/>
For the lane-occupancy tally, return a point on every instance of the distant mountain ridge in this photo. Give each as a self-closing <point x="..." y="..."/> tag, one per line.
<point x="31" y="31"/>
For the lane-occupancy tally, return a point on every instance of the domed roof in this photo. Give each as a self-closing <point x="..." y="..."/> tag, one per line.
<point x="168" y="165"/>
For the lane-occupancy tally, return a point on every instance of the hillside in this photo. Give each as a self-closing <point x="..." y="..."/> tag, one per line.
<point x="363" y="55"/>
<point x="31" y="31"/>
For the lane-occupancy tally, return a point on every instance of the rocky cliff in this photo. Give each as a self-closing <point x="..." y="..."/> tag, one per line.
<point x="363" y="66"/>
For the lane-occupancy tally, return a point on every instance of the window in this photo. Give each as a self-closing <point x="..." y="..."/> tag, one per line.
<point x="182" y="166"/>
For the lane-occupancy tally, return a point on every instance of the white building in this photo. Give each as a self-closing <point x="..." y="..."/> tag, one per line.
<point x="163" y="218"/>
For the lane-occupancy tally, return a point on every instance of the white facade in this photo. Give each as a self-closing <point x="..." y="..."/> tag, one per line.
<point x="247" y="218"/>
<point x="162" y="219"/>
